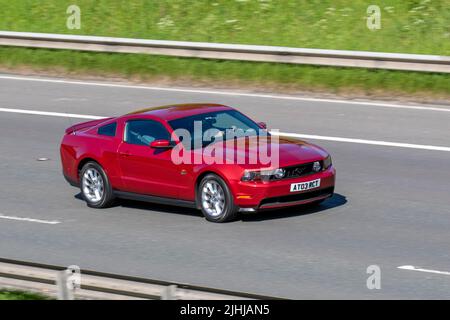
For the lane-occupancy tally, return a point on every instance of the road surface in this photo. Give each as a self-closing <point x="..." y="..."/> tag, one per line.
<point x="391" y="208"/>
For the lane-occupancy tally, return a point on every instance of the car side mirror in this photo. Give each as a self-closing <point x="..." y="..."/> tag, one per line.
<point x="161" y="144"/>
<point x="262" y="125"/>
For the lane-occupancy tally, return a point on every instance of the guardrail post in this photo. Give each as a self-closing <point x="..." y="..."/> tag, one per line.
<point x="63" y="291"/>
<point x="169" y="293"/>
<point x="67" y="282"/>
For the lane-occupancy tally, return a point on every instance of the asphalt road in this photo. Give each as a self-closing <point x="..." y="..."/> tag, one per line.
<point x="392" y="206"/>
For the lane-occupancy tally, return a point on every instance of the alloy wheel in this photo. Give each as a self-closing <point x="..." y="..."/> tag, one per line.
<point x="213" y="198"/>
<point x="93" y="185"/>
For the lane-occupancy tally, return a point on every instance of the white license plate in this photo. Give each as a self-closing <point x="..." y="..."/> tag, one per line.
<point x="303" y="186"/>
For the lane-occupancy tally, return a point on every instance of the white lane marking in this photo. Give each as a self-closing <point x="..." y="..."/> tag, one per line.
<point x="363" y="141"/>
<point x="412" y="268"/>
<point x="28" y="219"/>
<point x="287" y="134"/>
<point x="227" y="93"/>
<point x="50" y="114"/>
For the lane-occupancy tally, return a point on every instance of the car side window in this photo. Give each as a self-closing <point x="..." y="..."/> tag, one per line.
<point x="108" y="130"/>
<point x="144" y="132"/>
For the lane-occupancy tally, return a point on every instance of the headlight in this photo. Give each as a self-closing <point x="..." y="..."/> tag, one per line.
<point x="327" y="162"/>
<point x="250" y="175"/>
<point x="263" y="175"/>
<point x="279" y="173"/>
<point x="317" y="166"/>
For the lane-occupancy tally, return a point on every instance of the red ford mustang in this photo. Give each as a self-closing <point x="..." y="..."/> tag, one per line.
<point x="184" y="155"/>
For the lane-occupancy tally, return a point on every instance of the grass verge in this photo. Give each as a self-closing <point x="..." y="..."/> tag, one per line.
<point x="410" y="26"/>
<point x="234" y="74"/>
<point x="21" y="295"/>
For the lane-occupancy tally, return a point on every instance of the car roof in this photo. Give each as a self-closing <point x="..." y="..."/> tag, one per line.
<point x="176" y="111"/>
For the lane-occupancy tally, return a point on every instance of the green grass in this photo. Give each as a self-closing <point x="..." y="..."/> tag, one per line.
<point x="21" y="295"/>
<point x="213" y="72"/>
<point x="414" y="26"/>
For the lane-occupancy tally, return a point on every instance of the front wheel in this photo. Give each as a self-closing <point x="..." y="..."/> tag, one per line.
<point x="95" y="186"/>
<point x="215" y="199"/>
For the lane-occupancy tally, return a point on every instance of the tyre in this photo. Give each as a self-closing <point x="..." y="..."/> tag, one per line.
<point x="215" y="199"/>
<point x="95" y="186"/>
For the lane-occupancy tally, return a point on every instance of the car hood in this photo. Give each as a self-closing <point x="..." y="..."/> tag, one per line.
<point x="291" y="151"/>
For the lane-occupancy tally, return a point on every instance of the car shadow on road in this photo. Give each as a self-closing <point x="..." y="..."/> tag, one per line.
<point x="149" y="206"/>
<point x="336" y="201"/>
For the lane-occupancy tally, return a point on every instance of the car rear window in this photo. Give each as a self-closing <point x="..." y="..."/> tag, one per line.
<point x="108" y="130"/>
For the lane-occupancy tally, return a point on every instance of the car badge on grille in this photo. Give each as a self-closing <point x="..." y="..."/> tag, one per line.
<point x="297" y="171"/>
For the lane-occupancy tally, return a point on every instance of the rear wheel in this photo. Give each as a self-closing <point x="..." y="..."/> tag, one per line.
<point x="215" y="199"/>
<point x="95" y="186"/>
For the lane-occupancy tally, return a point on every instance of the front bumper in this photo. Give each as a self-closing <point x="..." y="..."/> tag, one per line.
<point x="255" y="196"/>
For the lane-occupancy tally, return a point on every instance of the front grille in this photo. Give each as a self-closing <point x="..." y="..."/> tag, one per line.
<point x="297" y="197"/>
<point x="300" y="170"/>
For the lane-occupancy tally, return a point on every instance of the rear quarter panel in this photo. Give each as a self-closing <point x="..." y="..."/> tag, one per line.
<point x="78" y="148"/>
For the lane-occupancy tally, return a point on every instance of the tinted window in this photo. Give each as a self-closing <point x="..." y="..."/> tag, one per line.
<point x="143" y="132"/>
<point x="108" y="130"/>
<point x="221" y="121"/>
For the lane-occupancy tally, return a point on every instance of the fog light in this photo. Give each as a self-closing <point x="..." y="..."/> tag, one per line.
<point x="317" y="166"/>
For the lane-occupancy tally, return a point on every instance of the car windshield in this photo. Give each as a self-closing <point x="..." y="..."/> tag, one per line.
<point x="202" y="129"/>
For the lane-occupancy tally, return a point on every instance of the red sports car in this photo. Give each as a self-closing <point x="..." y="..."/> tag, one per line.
<point x="205" y="156"/>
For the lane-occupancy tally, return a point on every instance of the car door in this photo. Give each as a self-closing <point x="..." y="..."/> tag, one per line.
<point x="146" y="170"/>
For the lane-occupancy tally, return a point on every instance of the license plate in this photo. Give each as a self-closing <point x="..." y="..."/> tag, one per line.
<point x="303" y="186"/>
